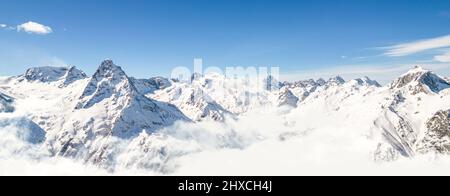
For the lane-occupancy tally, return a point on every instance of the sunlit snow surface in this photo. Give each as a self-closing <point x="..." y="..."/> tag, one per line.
<point x="339" y="128"/>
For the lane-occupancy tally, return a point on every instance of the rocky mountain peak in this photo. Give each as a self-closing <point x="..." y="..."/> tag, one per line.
<point x="304" y="83"/>
<point x="366" y="81"/>
<point x="336" y="80"/>
<point x="52" y="74"/>
<point x="109" y="70"/>
<point x="73" y="74"/>
<point x="421" y="80"/>
<point x="109" y="80"/>
<point x="286" y="97"/>
<point x="321" y="82"/>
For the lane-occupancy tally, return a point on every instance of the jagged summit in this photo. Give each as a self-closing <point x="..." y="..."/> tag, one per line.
<point x="145" y="86"/>
<point x="52" y="74"/>
<point x="108" y="70"/>
<point x="366" y="81"/>
<point x="86" y="119"/>
<point x="336" y="80"/>
<point x="73" y="74"/>
<point x="321" y="81"/>
<point x="305" y="83"/>
<point x="45" y="74"/>
<point x="107" y="81"/>
<point x="286" y="98"/>
<point x="110" y="105"/>
<point x="193" y="101"/>
<point x="111" y="93"/>
<point x="421" y="80"/>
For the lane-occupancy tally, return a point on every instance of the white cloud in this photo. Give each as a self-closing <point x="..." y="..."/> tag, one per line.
<point x="3" y="26"/>
<point x="414" y="47"/>
<point x="229" y="148"/>
<point x="444" y="58"/>
<point x="33" y="27"/>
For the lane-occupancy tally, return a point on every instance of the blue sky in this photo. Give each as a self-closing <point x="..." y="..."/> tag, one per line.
<point x="151" y="37"/>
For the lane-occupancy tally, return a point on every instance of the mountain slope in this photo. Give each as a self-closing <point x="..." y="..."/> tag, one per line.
<point x="130" y="111"/>
<point x="149" y="86"/>
<point x="415" y="97"/>
<point x="212" y="96"/>
<point x="284" y="97"/>
<point x="192" y="101"/>
<point x="420" y="80"/>
<point x="109" y="106"/>
<point x="302" y="89"/>
<point x="393" y="118"/>
<point x="64" y="75"/>
<point x="437" y="135"/>
<point x="6" y="103"/>
<point x="96" y="118"/>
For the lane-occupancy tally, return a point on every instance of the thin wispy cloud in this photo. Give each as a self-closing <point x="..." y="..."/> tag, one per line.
<point x="444" y="58"/>
<point x="34" y="28"/>
<point x="414" y="47"/>
<point x="3" y="25"/>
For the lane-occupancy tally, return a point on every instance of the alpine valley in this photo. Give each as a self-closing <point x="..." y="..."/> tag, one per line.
<point x="212" y="125"/>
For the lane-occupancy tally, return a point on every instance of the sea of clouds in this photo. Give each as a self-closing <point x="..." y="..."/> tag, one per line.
<point x="259" y="143"/>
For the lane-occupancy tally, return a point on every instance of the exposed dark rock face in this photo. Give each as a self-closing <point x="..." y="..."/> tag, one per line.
<point x="286" y="97"/>
<point x="419" y="80"/>
<point x="337" y="80"/>
<point x="6" y="103"/>
<point x="366" y="81"/>
<point x="67" y="75"/>
<point x="437" y="137"/>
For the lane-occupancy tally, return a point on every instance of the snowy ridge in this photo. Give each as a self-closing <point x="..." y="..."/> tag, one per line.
<point x="420" y="80"/>
<point x="113" y="120"/>
<point x="66" y="75"/>
<point x="366" y="81"/>
<point x="148" y="86"/>
<point x="192" y="101"/>
<point x="285" y="97"/>
<point x="302" y="89"/>
<point x="215" y="94"/>
<point x="109" y="105"/>
<point x="335" y="81"/>
<point x="414" y="101"/>
<point x="73" y="74"/>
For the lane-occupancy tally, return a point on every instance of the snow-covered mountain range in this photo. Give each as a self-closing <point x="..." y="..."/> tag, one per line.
<point x="85" y="117"/>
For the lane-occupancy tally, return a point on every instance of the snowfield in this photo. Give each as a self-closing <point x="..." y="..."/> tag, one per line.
<point x="58" y="121"/>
